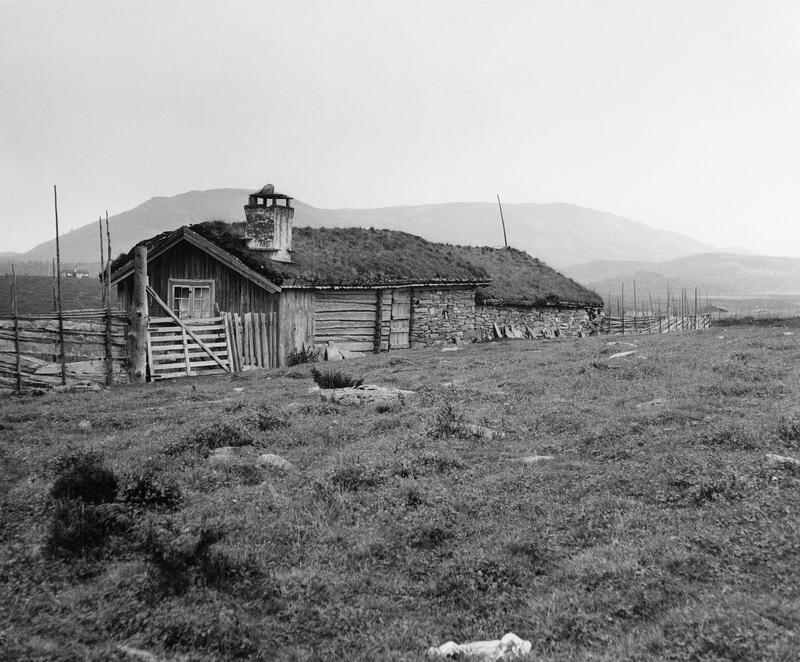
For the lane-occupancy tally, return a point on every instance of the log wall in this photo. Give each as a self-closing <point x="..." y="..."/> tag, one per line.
<point x="35" y="338"/>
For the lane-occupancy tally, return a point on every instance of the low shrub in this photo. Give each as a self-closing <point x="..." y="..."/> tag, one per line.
<point x="79" y="529"/>
<point x="216" y="435"/>
<point x="83" y="476"/>
<point x="188" y="555"/>
<point x="355" y="477"/>
<point x="147" y="490"/>
<point x="269" y="418"/>
<point x="789" y="428"/>
<point x="335" y="379"/>
<point x="448" y="422"/>
<point x="304" y="355"/>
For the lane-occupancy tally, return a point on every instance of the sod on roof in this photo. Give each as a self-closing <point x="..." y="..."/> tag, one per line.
<point x="356" y="257"/>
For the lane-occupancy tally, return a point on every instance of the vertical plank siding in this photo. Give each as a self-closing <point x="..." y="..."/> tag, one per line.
<point x="252" y="340"/>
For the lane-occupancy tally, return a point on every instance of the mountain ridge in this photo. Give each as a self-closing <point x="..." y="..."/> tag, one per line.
<point x="557" y="233"/>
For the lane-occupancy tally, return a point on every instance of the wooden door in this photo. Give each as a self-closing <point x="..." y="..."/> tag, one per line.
<point x="399" y="325"/>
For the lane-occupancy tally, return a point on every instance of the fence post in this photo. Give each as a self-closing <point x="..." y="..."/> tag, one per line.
<point x="139" y="319"/>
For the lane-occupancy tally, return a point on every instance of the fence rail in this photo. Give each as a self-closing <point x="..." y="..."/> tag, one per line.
<point x="35" y="354"/>
<point x="656" y="323"/>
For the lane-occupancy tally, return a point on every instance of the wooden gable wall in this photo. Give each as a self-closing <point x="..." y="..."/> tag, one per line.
<point x="233" y="292"/>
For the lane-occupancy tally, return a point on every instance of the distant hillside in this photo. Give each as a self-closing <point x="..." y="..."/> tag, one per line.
<point x="721" y="274"/>
<point x="559" y="234"/>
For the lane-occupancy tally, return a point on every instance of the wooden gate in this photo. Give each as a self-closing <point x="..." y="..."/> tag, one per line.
<point x="400" y="323"/>
<point x="189" y="347"/>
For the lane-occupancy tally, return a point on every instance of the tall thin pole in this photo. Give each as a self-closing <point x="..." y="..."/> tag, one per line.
<point x="635" y="321"/>
<point x="15" y="313"/>
<point x="59" y="307"/>
<point x="502" y="220"/>
<point x="53" y="276"/>
<point x="109" y="354"/>
<point x="102" y="264"/>
<point x="108" y="264"/>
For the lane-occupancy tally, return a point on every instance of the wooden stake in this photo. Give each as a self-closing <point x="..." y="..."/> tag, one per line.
<point x="102" y="264"/>
<point x="502" y="220"/>
<point x="623" y="308"/>
<point x="58" y="295"/>
<point x="15" y="313"/>
<point x="107" y="297"/>
<point x="635" y="321"/>
<point x="53" y="274"/>
<point x="108" y="263"/>
<point x="139" y="319"/>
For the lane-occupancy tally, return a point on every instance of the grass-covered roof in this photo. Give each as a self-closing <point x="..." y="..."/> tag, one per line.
<point x="356" y="257"/>
<point x="519" y="279"/>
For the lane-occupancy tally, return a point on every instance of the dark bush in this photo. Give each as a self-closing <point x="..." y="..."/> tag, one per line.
<point x="82" y="476"/>
<point x="304" y="355"/>
<point x="448" y="422"/>
<point x="789" y="428"/>
<point x="335" y="379"/>
<point x="215" y="435"/>
<point x="150" y="491"/>
<point x="269" y="418"/>
<point x="81" y="529"/>
<point x="356" y="477"/>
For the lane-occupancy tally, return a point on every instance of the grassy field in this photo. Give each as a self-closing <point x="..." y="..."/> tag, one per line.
<point x="659" y="530"/>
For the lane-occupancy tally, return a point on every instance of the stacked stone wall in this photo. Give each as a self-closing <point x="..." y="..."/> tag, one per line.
<point x="540" y="321"/>
<point x="448" y="315"/>
<point x="442" y="314"/>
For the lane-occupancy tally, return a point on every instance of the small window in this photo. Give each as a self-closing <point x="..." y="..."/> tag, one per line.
<point x="191" y="298"/>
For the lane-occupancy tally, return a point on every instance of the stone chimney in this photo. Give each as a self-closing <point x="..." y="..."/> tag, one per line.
<point x="268" y="225"/>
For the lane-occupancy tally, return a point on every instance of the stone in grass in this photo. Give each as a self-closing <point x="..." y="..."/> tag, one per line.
<point x="364" y="394"/>
<point x="481" y="432"/>
<point x="652" y="404"/>
<point x="621" y="343"/>
<point x="452" y="348"/>
<point x="534" y="459"/>
<point x="783" y="460"/>
<point x="275" y="461"/>
<point x="84" y="425"/>
<point x="620" y="355"/>
<point x="240" y="456"/>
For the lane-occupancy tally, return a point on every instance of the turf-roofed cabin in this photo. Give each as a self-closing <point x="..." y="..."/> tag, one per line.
<point x="361" y="290"/>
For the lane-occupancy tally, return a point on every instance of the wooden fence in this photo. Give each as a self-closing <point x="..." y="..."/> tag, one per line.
<point x="190" y="347"/>
<point x="43" y="351"/>
<point x="254" y="339"/>
<point x="656" y="323"/>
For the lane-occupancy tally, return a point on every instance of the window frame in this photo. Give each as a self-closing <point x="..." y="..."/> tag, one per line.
<point x="172" y="283"/>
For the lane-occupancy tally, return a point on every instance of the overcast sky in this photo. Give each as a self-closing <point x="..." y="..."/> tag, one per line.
<point x="681" y="114"/>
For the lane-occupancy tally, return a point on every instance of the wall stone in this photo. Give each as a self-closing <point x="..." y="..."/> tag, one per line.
<point x="545" y="321"/>
<point x="447" y="315"/>
<point x="442" y="314"/>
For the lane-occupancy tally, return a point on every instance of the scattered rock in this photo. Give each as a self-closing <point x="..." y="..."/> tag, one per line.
<point x="481" y="431"/>
<point x="364" y="394"/>
<point x="788" y="333"/>
<point x="507" y="648"/>
<point x="138" y="654"/>
<point x="233" y="456"/>
<point x="783" y="460"/>
<point x="534" y="459"/>
<point x="239" y="389"/>
<point x="621" y="343"/>
<point x="720" y="337"/>
<point x="333" y="353"/>
<point x="276" y="461"/>
<point x="619" y="355"/>
<point x="650" y="404"/>
<point x="84" y="425"/>
<point x="452" y="348"/>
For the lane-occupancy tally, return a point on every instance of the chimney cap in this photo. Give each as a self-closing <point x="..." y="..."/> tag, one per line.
<point x="267" y="192"/>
